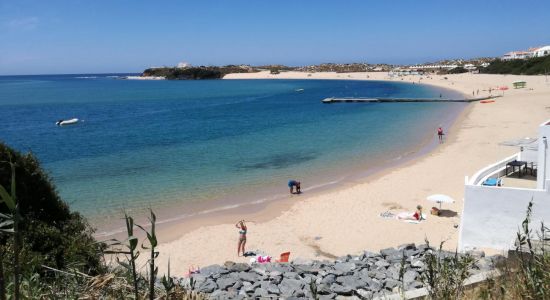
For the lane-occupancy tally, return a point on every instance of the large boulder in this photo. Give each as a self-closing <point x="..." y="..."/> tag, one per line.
<point x="289" y="286"/>
<point x="207" y="286"/>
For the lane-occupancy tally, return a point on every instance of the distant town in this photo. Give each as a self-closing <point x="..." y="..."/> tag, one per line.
<point x="496" y="65"/>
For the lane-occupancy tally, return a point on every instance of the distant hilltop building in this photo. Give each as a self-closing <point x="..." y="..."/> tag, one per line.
<point x="183" y="65"/>
<point x="526" y="54"/>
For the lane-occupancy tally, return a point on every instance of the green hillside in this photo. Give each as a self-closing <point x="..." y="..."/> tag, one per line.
<point x="532" y="66"/>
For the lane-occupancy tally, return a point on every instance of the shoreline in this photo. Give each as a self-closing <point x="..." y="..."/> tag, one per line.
<point x="177" y="221"/>
<point x="313" y="226"/>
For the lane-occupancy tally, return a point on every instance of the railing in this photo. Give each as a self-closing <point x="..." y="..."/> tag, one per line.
<point x="485" y="173"/>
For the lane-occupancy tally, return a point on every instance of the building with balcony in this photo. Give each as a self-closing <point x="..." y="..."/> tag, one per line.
<point x="497" y="196"/>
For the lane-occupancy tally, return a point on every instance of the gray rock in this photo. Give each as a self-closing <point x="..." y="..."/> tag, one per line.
<point x="374" y="285"/>
<point x="344" y="258"/>
<point x="271" y="288"/>
<point x="390" y="284"/>
<point x="364" y="294"/>
<point x="389" y="252"/>
<point x="408" y="246"/>
<point x="395" y="258"/>
<point x="329" y="279"/>
<point x="289" y="286"/>
<point x="226" y="282"/>
<point x="198" y="279"/>
<point x="368" y="254"/>
<point x="412" y="252"/>
<point x="380" y="275"/>
<point x="275" y="273"/>
<point x="306" y="269"/>
<point x="260" y="271"/>
<point x="291" y="275"/>
<point x="213" y="269"/>
<point x="260" y="292"/>
<point x="248" y="276"/>
<point x="224" y="295"/>
<point x="239" y="267"/>
<point x="328" y="296"/>
<point x="344" y="267"/>
<point x="382" y="264"/>
<point x="237" y="285"/>
<point x="207" y="286"/>
<point x="323" y="289"/>
<point x="341" y="290"/>
<point x="392" y="273"/>
<point x="410" y="276"/>
<point x="351" y="281"/>
<point x="282" y="268"/>
<point x="340" y="297"/>
<point x="414" y="285"/>
<point x="417" y="263"/>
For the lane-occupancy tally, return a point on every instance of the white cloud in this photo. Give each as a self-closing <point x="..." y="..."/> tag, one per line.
<point x="27" y="23"/>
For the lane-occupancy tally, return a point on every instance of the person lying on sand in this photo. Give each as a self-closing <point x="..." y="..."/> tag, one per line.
<point x="417" y="216"/>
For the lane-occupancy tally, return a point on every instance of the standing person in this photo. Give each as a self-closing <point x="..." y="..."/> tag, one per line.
<point x="293" y="183"/>
<point x="242" y="236"/>
<point x="440" y="134"/>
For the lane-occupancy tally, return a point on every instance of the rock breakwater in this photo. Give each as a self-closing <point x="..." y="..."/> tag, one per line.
<point x="364" y="276"/>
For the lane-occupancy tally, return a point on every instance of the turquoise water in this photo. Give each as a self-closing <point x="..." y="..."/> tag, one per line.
<point x="175" y="143"/>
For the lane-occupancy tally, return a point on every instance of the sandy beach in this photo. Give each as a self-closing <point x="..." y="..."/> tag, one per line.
<point x="346" y="220"/>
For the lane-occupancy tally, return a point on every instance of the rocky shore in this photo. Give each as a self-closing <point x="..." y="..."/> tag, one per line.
<point x="365" y="276"/>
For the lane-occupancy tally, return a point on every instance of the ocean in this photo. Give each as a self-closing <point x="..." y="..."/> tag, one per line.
<point x="180" y="145"/>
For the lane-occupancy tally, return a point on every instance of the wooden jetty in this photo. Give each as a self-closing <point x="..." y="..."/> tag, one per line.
<point x="384" y="100"/>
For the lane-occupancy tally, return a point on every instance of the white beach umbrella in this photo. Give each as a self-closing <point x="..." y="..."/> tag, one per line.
<point x="440" y="198"/>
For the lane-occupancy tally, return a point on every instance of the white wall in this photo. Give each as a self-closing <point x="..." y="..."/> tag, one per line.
<point x="543" y="166"/>
<point x="492" y="215"/>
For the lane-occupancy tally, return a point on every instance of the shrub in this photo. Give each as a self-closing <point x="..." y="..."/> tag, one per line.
<point x="51" y="233"/>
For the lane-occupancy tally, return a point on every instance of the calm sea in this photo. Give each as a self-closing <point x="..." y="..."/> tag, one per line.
<point x="178" y="143"/>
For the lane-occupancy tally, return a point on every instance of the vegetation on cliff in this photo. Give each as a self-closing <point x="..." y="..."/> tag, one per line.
<point x="532" y="66"/>
<point x="194" y="73"/>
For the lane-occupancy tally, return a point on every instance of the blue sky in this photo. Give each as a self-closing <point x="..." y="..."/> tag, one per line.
<point x="75" y="36"/>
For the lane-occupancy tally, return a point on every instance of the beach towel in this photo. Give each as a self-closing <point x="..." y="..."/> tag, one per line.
<point x="387" y="215"/>
<point x="261" y="259"/>
<point x="406" y="217"/>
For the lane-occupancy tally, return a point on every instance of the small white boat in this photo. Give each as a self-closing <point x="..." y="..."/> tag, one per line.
<point x="299" y="90"/>
<point x="66" y="122"/>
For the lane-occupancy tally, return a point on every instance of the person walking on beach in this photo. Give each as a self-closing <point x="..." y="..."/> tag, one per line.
<point x="440" y="134"/>
<point x="242" y="236"/>
<point x="293" y="183"/>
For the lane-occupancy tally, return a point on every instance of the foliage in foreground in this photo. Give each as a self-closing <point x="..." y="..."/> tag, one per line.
<point x="445" y="274"/>
<point x="51" y="234"/>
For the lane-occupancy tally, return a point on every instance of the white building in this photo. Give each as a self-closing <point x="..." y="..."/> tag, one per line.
<point x="492" y="214"/>
<point x="183" y="65"/>
<point x="517" y="55"/>
<point x="542" y="51"/>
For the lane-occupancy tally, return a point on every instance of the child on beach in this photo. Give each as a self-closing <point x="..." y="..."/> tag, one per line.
<point x="440" y="134"/>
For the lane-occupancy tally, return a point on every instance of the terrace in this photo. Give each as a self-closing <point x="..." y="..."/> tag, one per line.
<point x="497" y="196"/>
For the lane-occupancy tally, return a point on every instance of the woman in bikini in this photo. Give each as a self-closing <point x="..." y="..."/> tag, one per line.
<point x="242" y="236"/>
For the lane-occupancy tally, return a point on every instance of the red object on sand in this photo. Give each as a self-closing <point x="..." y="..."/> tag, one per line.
<point x="486" y="101"/>
<point x="284" y="257"/>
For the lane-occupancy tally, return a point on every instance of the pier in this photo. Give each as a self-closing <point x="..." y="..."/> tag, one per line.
<point x="384" y="100"/>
